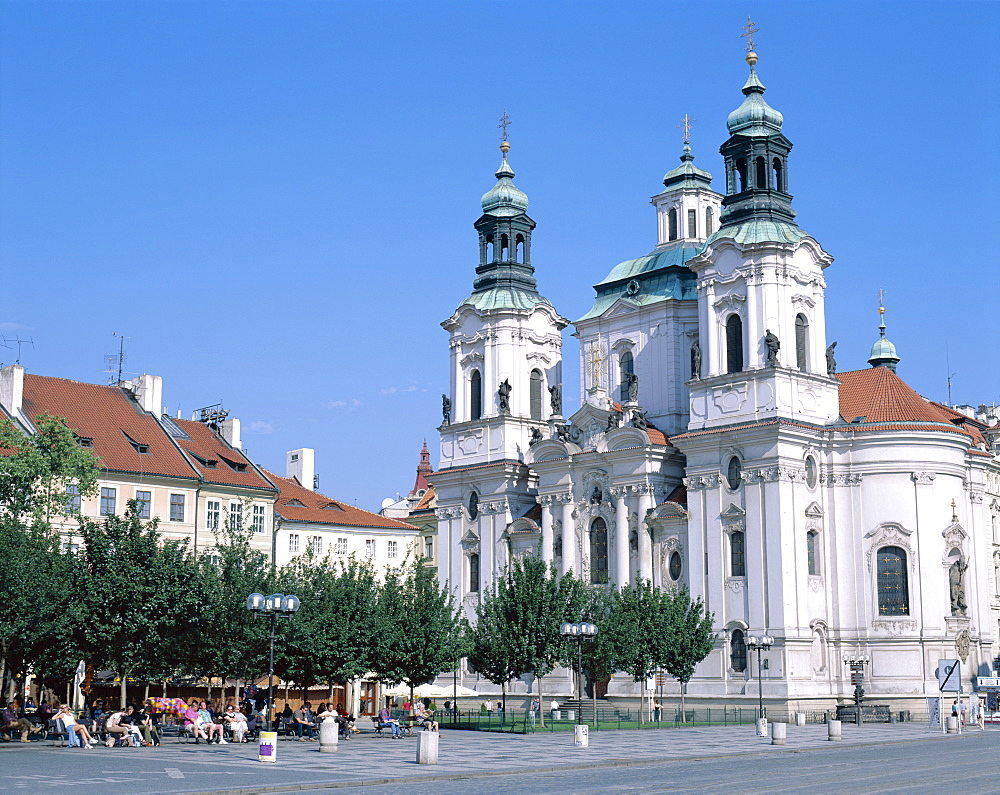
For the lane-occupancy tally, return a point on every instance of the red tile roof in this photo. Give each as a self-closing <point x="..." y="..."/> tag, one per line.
<point x="216" y="460"/>
<point x="113" y="420"/>
<point x="678" y="495"/>
<point x="298" y="504"/>
<point x="425" y="501"/>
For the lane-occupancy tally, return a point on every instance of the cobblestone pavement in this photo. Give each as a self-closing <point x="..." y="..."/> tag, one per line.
<point x="898" y="757"/>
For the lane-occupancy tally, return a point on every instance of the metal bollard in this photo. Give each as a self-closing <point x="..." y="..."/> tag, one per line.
<point x="778" y="733"/>
<point x="833" y="728"/>
<point x="329" y="733"/>
<point x="800" y="719"/>
<point x="952" y="725"/>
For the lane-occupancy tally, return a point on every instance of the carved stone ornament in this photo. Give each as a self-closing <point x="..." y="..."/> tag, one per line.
<point x="841" y="479"/>
<point x="448" y="513"/>
<point x="889" y="534"/>
<point x="698" y="482"/>
<point x="923" y="478"/>
<point x="954" y="536"/>
<point x="736" y="584"/>
<point x="976" y="497"/>
<point x="733" y="519"/>
<point x="493" y="506"/>
<point x="894" y="626"/>
<point x="962" y="643"/>
<point x="816" y="584"/>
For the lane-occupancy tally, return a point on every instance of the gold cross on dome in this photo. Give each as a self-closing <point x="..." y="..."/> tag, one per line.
<point x="595" y="362"/>
<point x="686" y="124"/>
<point x="504" y="122"/>
<point x="749" y="29"/>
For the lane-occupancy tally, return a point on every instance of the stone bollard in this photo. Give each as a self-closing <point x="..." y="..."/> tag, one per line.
<point x="833" y="728"/>
<point x="427" y="748"/>
<point x="328" y="736"/>
<point x="800" y="719"/>
<point x="778" y="733"/>
<point x="571" y="714"/>
<point x="557" y="714"/>
<point x="952" y="725"/>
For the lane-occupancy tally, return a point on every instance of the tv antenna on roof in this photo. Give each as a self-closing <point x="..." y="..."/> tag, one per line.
<point x="116" y="361"/>
<point x="19" y="342"/>
<point x="947" y="364"/>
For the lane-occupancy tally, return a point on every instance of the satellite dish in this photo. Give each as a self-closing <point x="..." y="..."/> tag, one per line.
<point x="387" y="502"/>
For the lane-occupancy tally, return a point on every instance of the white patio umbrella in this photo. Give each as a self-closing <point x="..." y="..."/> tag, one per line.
<point x="429" y="691"/>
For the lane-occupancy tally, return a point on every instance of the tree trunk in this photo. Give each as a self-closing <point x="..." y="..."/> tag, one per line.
<point x="593" y="693"/>
<point x="164" y="688"/>
<point x="541" y="704"/>
<point x="145" y="697"/>
<point x="124" y="690"/>
<point x="683" y="689"/>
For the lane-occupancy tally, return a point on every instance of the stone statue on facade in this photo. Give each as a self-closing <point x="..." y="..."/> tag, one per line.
<point x="562" y="432"/>
<point x="446" y="410"/>
<point x="632" y="382"/>
<point x="614" y="420"/>
<point x="536" y="437"/>
<point x="695" y="361"/>
<point x="639" y="420"/>
<point x="831" y="363"/>
<point x="956" y="587"/>
<point x="555" y="399"/>
<point x="773" y="346"/>
<point x="504" y="394"/>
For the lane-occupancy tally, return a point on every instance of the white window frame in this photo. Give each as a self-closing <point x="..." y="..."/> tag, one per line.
<point x="293" y="543"/>
<point x="341" y="548"/>
<point x="213" y="514"/>
<point x="392" y="549"/>
<point x="316" y="545"/>
<point x="259" y="518"/>
<point x="370" y="548"/>
<point x="235" y="515"/>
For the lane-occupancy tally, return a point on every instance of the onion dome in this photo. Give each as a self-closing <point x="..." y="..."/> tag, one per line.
<point x="505" y="198"/>
<point x="687" y="172"/>
<point x="754" y="116"/>
<point x="883" y="351"/>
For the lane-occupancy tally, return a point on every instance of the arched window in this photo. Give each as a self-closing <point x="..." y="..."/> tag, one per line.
<point x="779" y="178"/>
<point x="734" y="473"/>
<point x="692" y="223"/>
<point x="598" y="551"/>
<point x="737" y="650"/>
<point x="673" y="223"/>
<point x="812" y="473"/>
<point x="741" y="171"/>
<point x="474" y="572"/>
<point x="536" y="395"/>
<point x="519" y="243"/>
<point x="504" y="248"/>
<point x="812" y="552"/>
<point x="734" y="344"/>
<point x="737" y="554"/>
<point x="709" y="221"/>
<point x="626" y="366"/>
<point x="489" y="249"/>
<point x="761" y="164"/>
<point x="473" y="506"/>
<point x="475" y="395"/>
<point x="893" y="587"/>
<point x="801" y="341"/>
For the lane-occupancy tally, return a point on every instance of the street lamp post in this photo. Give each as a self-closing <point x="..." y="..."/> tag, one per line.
<point x="272" y="607"/>
<point x="857" y="663"/>
<point x="760" y="643"/>
<point x="579" y="632"/>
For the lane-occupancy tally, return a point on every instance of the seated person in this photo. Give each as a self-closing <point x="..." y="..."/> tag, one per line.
<point x="11" y="722"/>
<point x="303" y="722"/>
<point x="425" y="717"/>
<point x="194" y="723"/>
<point x="237" y="722"/>
<point x="143" y="719"/>
<point x="69" y="721"/>
<point x="44" y="711"/>
<point x="209" y="724"/>
<point x="118" y="725"/>
<point x="385" y="720"/>
<point x="96" y="713"/>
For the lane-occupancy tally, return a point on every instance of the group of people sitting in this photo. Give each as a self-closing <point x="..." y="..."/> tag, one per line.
<point x="304" y="721"/>
<point x="207" y="724"/>
<point x="421" y="713"/>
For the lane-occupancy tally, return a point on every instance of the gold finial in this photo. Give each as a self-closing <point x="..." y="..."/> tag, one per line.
<point x="504" y="122"/>
<point x="748" y="30"/>
<point x="686" y="124"/>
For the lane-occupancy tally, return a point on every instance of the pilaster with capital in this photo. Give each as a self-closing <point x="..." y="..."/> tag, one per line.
<point x="621" y="536"/>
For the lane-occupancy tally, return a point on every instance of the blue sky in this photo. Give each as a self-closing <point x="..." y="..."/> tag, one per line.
<point x="274" y="201"/>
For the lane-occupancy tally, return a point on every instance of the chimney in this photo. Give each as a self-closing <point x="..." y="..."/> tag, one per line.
<point x="12" y="389"/>
<point x="301" y="465"/>
<point x="230" y="431"/>
<point x="148" y="390"/>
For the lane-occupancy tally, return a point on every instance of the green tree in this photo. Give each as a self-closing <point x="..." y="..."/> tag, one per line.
<point x="140" y="599"/>
<point x="689" y="637"/>
<point x="35" y="470"/>
<point x="420" y="629"/>
<point x="335" y="630"/>
<point x="600" y="653"/>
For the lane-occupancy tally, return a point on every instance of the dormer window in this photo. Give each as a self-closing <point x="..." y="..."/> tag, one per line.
<point x="208" y="463"/>
<point x="295" y="504"/>
<point x="236" y="466"/>
<point x="139" y="447"/>
<point x="84" y="441"/>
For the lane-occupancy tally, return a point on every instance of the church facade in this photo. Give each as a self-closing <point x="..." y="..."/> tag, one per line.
<point x="717" y="447"/>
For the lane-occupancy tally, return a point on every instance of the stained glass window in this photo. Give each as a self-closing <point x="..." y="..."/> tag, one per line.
<point x="893" y="587"/>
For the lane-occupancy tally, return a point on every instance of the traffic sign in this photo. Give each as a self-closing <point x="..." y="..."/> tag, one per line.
<point x="949" y="675"/>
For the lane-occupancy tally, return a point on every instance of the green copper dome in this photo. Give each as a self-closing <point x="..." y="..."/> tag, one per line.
<point x="505" y="198"/>
<point x="687" y="173"/>
<point x="883" y="351"/>
<point x="754" y="116"/>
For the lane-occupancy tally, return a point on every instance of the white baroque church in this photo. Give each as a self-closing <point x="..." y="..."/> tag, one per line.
<point x="716" y="446"/>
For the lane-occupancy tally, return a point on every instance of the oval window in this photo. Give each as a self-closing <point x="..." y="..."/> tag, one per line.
<point x="734" y="473"/>
<point x="811" y="473"/>
<point x="473" y="506"/>
<point x="675" y="566"/>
